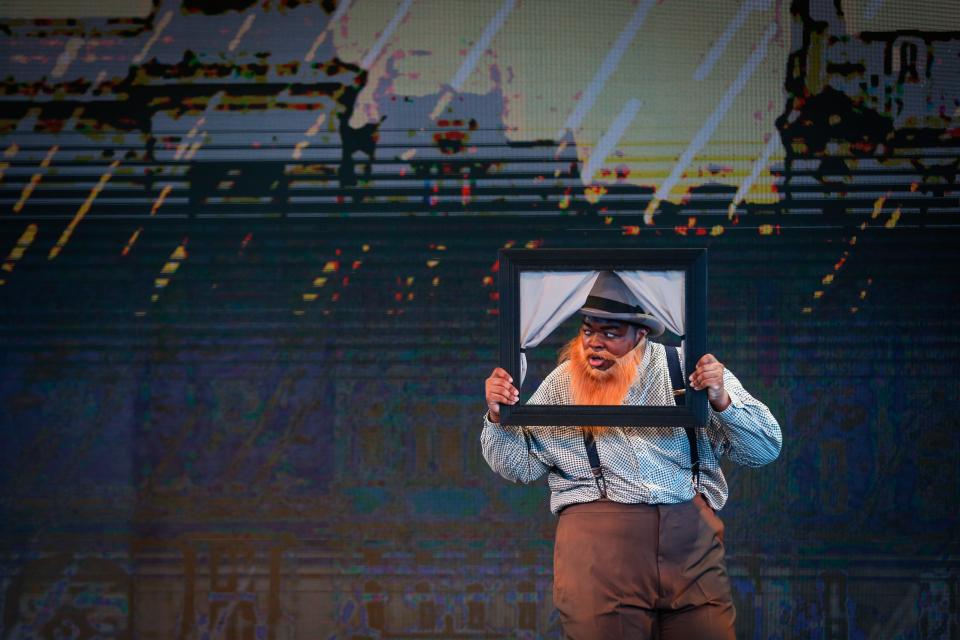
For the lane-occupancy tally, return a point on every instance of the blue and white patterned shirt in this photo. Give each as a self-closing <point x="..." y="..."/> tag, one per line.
<point x="649" y="464"/>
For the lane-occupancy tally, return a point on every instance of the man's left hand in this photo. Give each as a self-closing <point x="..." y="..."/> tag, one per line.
<point x="708" y="374"/>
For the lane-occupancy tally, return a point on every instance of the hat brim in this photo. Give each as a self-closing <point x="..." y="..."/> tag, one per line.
<point x="655" y="326"/>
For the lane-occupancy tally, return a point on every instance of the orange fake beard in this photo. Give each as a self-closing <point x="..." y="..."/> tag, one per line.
<point x="595" y="386"/>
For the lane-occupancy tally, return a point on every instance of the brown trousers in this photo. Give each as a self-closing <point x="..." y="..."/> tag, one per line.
<point x="636" y="571"/>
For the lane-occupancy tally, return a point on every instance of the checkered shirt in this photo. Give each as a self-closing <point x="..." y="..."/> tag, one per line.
<point x="648" y="464"/>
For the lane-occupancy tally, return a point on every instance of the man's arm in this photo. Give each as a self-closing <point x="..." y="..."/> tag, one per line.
<point x="741" y="426"/>
<point x="514" y="452"/>
<point x="511" y="451"/>
<point x="746" y="430"/>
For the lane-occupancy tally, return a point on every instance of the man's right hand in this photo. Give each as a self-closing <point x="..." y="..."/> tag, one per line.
<point x="499" y="390"/>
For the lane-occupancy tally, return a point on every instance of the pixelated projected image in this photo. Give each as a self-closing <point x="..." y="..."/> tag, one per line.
<point x="248" y="300"/>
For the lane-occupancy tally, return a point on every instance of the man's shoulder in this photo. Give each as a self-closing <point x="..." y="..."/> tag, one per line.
<point x="560" y="372"/>
<point x="658" y="353"/>
<point x="656" y="360"/>
<point x="555" y="386"/>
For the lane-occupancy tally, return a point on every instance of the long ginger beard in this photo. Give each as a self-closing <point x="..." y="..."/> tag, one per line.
<point x="591" y="386"/>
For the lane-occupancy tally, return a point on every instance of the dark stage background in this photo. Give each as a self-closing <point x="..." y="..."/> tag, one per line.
<point x="248" y="300"/>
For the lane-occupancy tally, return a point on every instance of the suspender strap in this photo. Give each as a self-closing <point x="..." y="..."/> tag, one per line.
<point x="591" y="444"/>
<point x="679" y="388"/>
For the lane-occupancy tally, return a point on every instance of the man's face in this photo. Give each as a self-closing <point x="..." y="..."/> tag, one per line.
<point x="605" y="340"/>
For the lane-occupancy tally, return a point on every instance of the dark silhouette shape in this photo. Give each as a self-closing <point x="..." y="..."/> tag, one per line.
<point x="363" y="139"/>
<point x="830" y="115"/>
<point x="215" y="7"/>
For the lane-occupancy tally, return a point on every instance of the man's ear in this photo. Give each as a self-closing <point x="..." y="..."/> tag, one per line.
<point x="641" y="333"/>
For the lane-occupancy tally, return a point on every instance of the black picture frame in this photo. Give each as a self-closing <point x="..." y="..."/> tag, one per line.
<point x="693" y="262"/>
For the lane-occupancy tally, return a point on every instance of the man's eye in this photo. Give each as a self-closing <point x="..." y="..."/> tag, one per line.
<point x="611" y="335"/>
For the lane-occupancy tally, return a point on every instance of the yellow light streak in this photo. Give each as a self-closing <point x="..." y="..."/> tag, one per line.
<point x="878" y="206"/>
<point x="315" y="127"/>
<point x="894" y="217"/>
<point x="131" y="241"/>
<point x="650" y="210"/>
<point x="169" y="268"/>
<point x="34" y="180"/>
<point x="160" y="198"/>
<point x="82" y="211"/>
<point x="193" y="150"/>
<point x="23" y="243"/>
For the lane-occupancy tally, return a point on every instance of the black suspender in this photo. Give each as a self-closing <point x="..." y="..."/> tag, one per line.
<point x="679" y="395"/>
<point x="595" y="467"/>
<point x="679" y="388"/>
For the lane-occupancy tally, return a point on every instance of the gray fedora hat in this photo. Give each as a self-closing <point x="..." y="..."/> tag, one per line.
<point x="611" y="299"/>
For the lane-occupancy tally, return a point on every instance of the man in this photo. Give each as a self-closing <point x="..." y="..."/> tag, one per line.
<point x="639" y="547"/>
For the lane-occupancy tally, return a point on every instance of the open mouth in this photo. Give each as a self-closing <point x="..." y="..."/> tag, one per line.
<point x="596" y="362"/>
